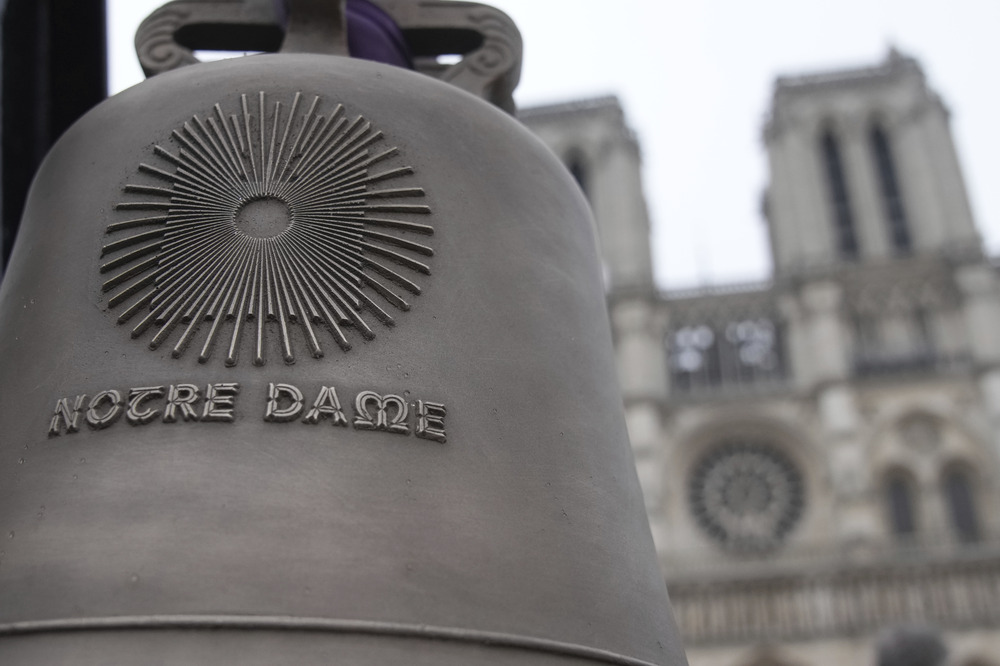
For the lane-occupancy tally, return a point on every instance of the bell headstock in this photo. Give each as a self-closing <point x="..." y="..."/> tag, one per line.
<point x="485" y="42"/>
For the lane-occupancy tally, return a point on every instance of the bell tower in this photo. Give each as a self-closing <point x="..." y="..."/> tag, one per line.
<point x="602" y="152"/>
<point x="863" y="169"/>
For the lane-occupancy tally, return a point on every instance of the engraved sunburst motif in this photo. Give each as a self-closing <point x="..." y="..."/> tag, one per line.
<point x="262" y="221"/>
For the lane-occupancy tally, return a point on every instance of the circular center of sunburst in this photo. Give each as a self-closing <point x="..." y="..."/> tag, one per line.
<point x="263" y="218"/>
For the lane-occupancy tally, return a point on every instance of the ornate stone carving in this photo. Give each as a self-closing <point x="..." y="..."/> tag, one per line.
<point x="746" y="495"/>
<point x="798" y="604"/>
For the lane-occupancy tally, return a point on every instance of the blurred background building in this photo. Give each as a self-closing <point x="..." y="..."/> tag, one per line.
<point x="820" y="453"/>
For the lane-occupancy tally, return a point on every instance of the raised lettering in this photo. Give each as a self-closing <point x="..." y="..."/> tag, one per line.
<point x="364" y="420"/>
<point x="275" y="394"/>
<point x="67" y="418"/>
<point x="135" y="414"/>
<point x="327" y="405"/>
<point x="112" y="412"/>
<point x="183" y="396"/>
<point x="430" y="421"/>
<point x="219" y="402"/>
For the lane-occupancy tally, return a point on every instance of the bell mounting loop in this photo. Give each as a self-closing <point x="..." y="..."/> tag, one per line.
<point x="485" y="40"/>
<point x="168" y="38"/>
<point x="316" y="26"/>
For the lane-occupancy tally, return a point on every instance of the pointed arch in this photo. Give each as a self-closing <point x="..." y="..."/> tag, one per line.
<point x="880" y="145"/>
<point x="845" y="235"/>
<point x="899" y="490"/>
<point x="958" y="489"/>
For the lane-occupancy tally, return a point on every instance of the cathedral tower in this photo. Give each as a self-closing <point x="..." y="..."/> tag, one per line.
<point x="863" y="169"/>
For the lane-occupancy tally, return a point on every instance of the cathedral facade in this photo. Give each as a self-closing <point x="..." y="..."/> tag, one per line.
<point x="819" y="452"/>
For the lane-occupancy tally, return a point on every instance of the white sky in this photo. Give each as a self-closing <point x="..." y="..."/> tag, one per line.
<point x="695" y="78"/>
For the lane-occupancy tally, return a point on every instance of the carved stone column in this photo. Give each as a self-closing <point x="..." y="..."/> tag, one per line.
<point x="827" y="338"/>
<point x="642" y="368"/>
<point x="863" y="187"/>
<point x="981" y="310"/>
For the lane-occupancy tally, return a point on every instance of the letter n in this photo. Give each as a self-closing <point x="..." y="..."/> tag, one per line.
<point x="67" y="418"/>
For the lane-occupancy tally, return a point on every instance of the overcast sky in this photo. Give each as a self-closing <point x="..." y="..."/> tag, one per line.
<point x="695" y="77"/>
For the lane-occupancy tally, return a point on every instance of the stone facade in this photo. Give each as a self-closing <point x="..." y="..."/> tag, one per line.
<point x="820" y="453"/>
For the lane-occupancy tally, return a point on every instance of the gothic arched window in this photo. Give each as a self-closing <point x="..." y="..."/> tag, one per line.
<point x="845" y="237"/>
<point x="892" y="200"/>
<point x="900" y="504"/>
<point x="958" y="491"/>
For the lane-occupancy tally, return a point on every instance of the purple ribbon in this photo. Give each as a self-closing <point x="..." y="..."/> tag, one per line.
<point x="373" y="35"/>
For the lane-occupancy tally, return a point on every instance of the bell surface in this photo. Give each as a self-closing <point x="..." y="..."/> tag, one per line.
<point x="306" y="360"/>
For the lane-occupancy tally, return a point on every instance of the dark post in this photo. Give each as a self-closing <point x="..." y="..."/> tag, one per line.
<point x="54" y="70"/>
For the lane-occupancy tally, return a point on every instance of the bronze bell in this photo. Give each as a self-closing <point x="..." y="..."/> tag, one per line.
<point x="305" y="361"/>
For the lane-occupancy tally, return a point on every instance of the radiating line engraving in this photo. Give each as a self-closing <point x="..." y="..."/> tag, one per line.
<point x="268" y="217"/>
